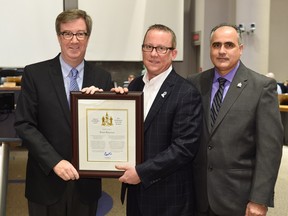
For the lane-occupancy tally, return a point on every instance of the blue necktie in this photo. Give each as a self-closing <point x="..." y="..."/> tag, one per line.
<point x="73" y="80"/>
<point x="217" y="100"/>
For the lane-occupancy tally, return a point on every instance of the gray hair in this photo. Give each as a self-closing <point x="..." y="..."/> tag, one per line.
<point x="228" y="25"/>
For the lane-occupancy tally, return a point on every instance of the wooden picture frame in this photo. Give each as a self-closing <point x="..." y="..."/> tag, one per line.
<point x="107" y="129"/>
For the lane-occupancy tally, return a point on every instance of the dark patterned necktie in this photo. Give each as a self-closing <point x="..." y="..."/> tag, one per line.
<point x="217" y="100"/>
<point x="73" y="80"/>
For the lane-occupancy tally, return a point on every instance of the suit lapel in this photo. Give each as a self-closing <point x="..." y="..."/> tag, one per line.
<point x="89" y="77"/>
<point x="162" y="95"/>
<point x="58" y="83"/>
<point x="238" y="84"/>
<point x="206" y="88"/>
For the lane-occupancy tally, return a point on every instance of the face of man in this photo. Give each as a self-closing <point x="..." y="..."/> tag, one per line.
<point x="73" y="50"/>
<point x="155" y="62"/>
<point x="225" y="51"/>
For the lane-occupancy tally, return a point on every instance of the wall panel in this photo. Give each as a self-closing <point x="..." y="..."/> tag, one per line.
<point x="27" y="31"/>
<point x="119" y="26"/>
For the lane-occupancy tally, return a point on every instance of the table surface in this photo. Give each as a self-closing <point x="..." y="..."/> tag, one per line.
<point x="14" y="88"/>
<point x="283" y="108"/>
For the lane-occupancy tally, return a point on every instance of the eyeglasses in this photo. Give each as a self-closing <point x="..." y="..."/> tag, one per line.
<point x="69" y="35"/>
<point x="159" y="49"/>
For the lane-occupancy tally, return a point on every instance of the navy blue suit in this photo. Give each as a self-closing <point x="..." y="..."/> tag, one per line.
<point x="171" y="139"/>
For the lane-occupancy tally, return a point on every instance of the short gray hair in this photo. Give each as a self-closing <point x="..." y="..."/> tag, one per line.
<point x="229" y="25"/>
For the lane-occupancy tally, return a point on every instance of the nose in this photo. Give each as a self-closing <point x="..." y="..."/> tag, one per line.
<point x="74" y="38"/>
<point x="154" y="52"/>
<point x="222" y="49"/>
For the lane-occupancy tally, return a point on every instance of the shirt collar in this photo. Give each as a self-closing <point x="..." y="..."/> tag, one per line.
<point x="158" y="78"/>
<point x="66" y="68"/>
<point x="229" y="76"/>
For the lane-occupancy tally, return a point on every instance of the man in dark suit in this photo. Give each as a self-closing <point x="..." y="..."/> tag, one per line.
<point x="53" y="187"/>
<point x="240" y="152"/>
<point x="163" y="183"/>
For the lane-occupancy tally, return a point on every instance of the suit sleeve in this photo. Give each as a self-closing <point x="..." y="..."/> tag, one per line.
<point x="269" y="140"/>
<point x="26" y="125"/>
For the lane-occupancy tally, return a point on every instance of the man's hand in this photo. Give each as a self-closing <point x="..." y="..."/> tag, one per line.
<point x="91" y="90"/>
<point x="254" y="209"/>
<point x="65" y="170"/>
<point x="120" y="90"/>
<point x="130" y="175"/>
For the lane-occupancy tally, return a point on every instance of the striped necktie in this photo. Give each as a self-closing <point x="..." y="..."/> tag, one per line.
<point x="73" y="80"/>
<point x="217" y="100"/>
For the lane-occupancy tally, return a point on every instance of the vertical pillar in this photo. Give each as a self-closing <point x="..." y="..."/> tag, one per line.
<point x="70" y="4"/>
<point x="4" y="162"/>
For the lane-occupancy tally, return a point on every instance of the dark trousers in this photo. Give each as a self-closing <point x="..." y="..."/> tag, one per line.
<point x="132" y="208"/>
<point x="208" y="213"/>
<point x="68" y="205"/>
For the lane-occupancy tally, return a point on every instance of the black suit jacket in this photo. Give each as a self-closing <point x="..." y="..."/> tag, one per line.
<point x="239" y="158"/>
<point x="171" y="135"/>
<point x="43" y="123"/>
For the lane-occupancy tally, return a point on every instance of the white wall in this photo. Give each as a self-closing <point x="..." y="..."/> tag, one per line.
<point x="278" y="45"/>
<point x="256" y="45"/>
<point x="27" y="31"/>
<point x="119" y="26"/>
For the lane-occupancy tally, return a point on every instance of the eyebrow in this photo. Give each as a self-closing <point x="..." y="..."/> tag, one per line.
<point x="227" y="43"/>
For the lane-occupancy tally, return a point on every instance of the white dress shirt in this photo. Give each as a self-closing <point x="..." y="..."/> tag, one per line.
<point x="152" y="87"/>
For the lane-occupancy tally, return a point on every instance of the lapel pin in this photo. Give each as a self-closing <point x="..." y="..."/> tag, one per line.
<point x="163" y="94"/>
<point x="239" y="85"/>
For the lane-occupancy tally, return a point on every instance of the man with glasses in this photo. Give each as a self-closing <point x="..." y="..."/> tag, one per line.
<point x="163" y="183"/>
<point x="53" y="186"/>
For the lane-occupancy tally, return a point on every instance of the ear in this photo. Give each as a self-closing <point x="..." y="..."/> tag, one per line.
<point x="174" y="53"/>
<point x="241" y="48"/>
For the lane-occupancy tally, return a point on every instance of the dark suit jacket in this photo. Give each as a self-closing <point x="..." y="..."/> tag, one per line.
<point x="239" y="158"/>
<point x="171" y="139"/>
<point x="43" y="123"/>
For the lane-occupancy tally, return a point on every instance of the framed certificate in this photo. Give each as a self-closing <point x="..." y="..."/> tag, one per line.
<point x="107" y="129"/>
